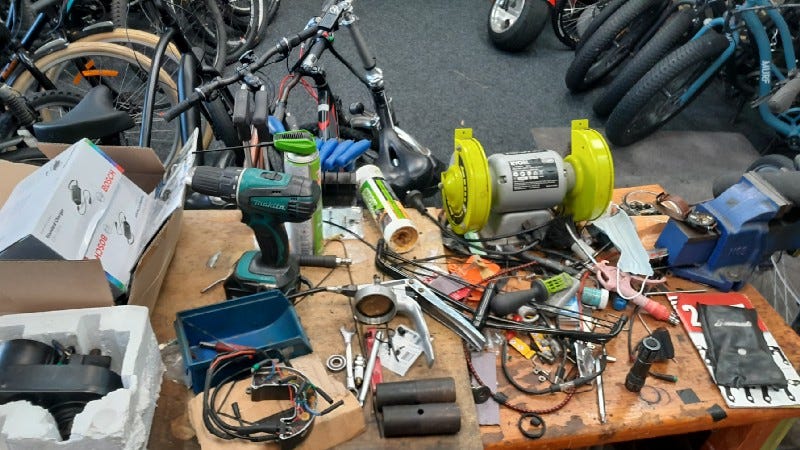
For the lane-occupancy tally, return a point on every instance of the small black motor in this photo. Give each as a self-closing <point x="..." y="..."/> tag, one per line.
<point x="54" y="377"/>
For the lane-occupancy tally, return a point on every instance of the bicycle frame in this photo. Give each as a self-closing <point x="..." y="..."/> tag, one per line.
<point x="786" y="123"/>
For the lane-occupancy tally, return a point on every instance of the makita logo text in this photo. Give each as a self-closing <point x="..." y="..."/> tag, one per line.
<point x="101" y="246"/>
<point x="107" y="182"/>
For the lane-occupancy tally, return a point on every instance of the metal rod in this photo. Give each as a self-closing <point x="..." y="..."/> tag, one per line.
<point x="373" y="356"/>
<point x="601" y="398"/>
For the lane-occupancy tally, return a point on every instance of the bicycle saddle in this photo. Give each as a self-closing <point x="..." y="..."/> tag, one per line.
<point x="94" y="117"/>
<point x="406" y="164"/>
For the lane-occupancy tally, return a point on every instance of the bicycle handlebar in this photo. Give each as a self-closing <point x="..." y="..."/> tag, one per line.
<point x="202" y="92"/>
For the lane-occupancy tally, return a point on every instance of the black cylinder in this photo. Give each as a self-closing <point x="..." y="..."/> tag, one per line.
<point x="433" y="390"/>
<point x="421" y="420"/>
<point x="648" y="350"/>
<point x="216" y="181"/>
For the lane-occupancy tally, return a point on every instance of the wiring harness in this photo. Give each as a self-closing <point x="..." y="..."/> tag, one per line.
<point x="271" y="380"/>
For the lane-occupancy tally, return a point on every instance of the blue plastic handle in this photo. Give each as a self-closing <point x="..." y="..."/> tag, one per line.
<point x="329" y="163"/>
<point x="327" y="149"/>
<point x="274" y="125"/>
<point x="350" y="154"/>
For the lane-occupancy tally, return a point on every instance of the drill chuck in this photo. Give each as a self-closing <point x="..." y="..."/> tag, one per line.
<point x="648" y="351"/>
<point x="216" y="181"/>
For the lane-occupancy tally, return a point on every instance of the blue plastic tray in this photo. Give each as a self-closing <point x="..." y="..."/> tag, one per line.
<point x="266" y="321"/>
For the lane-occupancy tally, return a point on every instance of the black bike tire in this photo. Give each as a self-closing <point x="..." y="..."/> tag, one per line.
<point x="557" y="22"/>
<point x="524" y="31"/>
<point x="120" y="12"/>
<point x="219" y="119"/>
<point x="250" y="30"/>
<point x="38" y="101"/>
<point x="696" y="55"/>
<point x="675" y="32"/>
<point x="607" y="8"/>
<point x="269" y="12"/>
<point x="594" y="51"/>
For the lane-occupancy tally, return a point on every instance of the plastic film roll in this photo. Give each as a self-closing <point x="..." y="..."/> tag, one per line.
<point x="396" y="227"/>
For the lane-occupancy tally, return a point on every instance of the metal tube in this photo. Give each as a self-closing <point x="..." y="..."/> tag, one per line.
<point x="421" y="420"/>
<point x="373" y="356"/>
<point x="152" y="84"/>
<point x="413" y="392"/>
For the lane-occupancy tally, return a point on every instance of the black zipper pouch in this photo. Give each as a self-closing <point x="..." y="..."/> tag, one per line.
<point x="737" y="349"/>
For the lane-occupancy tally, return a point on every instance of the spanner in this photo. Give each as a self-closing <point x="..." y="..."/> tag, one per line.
<point x="348" y="356"/>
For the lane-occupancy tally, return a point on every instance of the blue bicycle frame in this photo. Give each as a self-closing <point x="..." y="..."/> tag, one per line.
<point x="786" y="123"/>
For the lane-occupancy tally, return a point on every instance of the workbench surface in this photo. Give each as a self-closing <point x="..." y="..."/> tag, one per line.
<point x="658" y="411"/>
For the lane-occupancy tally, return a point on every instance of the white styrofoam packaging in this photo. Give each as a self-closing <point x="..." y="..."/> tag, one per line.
<point x="48" y="213"/>
<point x="121" y="419"/>
<point x="120" y="237"/>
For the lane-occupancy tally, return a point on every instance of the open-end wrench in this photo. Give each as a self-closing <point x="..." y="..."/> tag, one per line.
<point x="348" y="356"/>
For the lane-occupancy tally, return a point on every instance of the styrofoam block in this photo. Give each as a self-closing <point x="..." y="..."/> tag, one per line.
<point x="121" y="419"/>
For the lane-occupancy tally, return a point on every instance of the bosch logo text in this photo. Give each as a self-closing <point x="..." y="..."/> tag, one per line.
<point x="107" y="182"/>
<point x="101" y="246"/>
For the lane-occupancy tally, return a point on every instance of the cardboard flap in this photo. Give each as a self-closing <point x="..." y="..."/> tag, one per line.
<point x="13" y="173"/>
<point x="141" y="164"/>
<point x="152" y="267"/>
<point x="69" y="284"/>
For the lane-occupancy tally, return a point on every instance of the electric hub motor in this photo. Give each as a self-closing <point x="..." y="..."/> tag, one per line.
<point x="510" y="192"/>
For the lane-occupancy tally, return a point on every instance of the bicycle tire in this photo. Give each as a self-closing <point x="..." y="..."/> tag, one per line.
<point x="120" y="68"/>
<point x="145" y="42"/>
<point x="200" y="21"/>
<point x="63" y="101"/>
<point x="219" y="120"/>
<point x="607" y="47"/>
<point x="23" y="18"/>
<point x="564" y="20"/>
<point x="603" y="10"/>
<point x="241" y="22"/>
<point x="631" y="120"/>
<point x="269" y="10"/>
<point x="522" y="32"/>
<point x="675" y="32"/>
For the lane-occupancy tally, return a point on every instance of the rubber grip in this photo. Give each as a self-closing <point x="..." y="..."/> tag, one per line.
<point x="327" y="148"/>
<point x="37" y="7"/>
<point x="509" y="302"/>
<point x="329" y="163"/>
<point x="182" y="106"/>
<point x="351" y="153"/>
<point x="260" y="113"/>
<point x="782" y="100"/>
<point x="328" y="261"/>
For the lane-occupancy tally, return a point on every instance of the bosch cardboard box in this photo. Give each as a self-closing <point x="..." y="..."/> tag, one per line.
<point x="89" y="226"/>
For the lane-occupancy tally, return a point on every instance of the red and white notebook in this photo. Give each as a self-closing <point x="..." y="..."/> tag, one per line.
<point x="685" y="306"/>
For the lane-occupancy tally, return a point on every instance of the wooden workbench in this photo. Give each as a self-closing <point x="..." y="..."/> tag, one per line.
<point x="206" y="232"/>
<point x="659" y="411"/>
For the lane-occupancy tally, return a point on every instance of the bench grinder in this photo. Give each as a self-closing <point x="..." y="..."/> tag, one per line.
<point x="508" y="192"/>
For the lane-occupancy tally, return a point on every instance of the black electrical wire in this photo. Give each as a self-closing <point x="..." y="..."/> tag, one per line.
<point x="555" y="387"/>
<point x="352" y="233"/>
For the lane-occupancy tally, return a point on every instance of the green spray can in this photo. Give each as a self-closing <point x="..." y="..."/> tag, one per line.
<point x="300" y="158"/>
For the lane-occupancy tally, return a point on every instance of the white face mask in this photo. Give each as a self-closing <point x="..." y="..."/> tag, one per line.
<point x="622" y="232"/>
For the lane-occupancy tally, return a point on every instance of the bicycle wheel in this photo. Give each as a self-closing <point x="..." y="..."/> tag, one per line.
<point x="82" y="65"/>
<point x="607" y="47"/>
<point x="566" y="18"/>
<point x="593" y="16"/>
<point x="676" y="31"/>
<point x="199" y="20"/>
<point x="48" y="105"/>
<point x="242" y="19"/>
<point x="514" y="25"/>
<point x="656" y="98"/>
